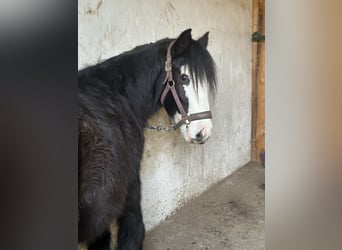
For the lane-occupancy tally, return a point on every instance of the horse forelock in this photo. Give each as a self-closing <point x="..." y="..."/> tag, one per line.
<point x="202" y="67"/>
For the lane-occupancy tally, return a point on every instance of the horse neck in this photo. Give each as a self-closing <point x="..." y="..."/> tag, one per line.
<point x="139" y="78"/>
<point x="144" y="90"/>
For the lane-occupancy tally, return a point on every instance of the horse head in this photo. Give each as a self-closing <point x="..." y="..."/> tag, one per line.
<point x="194" y="77"/>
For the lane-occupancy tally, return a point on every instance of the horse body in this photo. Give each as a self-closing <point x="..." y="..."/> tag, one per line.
<point x="110" y="144"/>
<point x="116" y="97"/>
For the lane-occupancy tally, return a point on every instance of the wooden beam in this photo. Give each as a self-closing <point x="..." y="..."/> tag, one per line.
<point x="258" y="82"/>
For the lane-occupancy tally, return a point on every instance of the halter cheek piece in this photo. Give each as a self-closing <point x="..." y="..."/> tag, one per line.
<point x="170" y="86"/>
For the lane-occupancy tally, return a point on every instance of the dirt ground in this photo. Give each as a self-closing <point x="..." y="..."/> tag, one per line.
<point x="228" y="216"/>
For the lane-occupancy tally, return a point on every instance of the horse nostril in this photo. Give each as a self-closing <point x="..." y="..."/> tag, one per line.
<point x="199" y="136"/>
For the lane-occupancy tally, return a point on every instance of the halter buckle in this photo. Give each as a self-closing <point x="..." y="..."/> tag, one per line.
<point x="168" y="66"/>
<point x="186" y="119"/>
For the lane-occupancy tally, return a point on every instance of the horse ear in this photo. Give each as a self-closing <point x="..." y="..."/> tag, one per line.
<point x="204" y="40"/>
<point x="182" y="43"/>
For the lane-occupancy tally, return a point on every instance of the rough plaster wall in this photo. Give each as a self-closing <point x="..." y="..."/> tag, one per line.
<point x="173" y="171"/>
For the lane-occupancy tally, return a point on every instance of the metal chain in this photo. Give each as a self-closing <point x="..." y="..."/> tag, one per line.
<point x="159" y="127"/>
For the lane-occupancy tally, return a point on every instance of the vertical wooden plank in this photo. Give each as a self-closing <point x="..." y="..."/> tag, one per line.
<point x="255" y="17"/>
<point x="258" y="82"/>
<point x="260" y="122"/>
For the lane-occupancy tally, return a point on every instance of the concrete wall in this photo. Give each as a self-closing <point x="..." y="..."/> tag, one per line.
<point x="172" y="170"/>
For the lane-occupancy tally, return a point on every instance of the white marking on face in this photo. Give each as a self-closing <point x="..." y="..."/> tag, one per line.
<point x="200" y="130"/>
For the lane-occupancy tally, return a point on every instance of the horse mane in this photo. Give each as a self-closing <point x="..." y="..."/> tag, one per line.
<point x="201" y="65"/>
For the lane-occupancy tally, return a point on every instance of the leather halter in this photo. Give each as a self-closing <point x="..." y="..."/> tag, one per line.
<point x="170" y="86"/>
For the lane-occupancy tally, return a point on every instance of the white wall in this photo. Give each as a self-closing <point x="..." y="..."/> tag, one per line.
<point x="172" y="170"/>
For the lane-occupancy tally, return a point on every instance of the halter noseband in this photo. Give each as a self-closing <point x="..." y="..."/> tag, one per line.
<point x="170" y="86"/>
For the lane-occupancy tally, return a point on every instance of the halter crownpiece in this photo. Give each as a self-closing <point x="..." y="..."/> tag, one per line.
<point x="170" y="86"/>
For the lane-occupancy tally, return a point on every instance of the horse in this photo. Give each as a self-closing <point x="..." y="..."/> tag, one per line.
<point x="116" y="97"/>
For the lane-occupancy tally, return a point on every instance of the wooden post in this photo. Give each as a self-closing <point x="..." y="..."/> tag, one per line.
<point x="258" y="82"/>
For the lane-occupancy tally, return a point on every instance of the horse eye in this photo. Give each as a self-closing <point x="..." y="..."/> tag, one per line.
<point x="185" y="78"/>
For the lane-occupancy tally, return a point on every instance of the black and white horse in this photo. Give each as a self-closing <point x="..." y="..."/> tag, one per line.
<point x="116" y="97"/>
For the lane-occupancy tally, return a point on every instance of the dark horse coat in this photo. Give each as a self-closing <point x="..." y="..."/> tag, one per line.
<point x="116" y="97"/>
